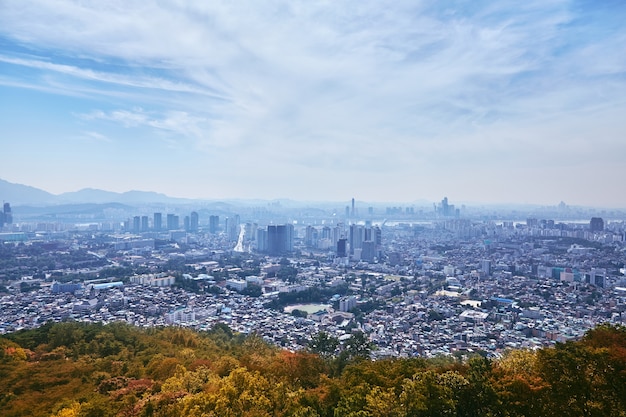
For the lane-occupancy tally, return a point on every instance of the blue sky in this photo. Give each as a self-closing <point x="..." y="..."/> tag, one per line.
<point x="481" y="101"/>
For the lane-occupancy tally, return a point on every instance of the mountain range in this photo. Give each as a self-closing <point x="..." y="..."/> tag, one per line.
<point x="19" y="194"/>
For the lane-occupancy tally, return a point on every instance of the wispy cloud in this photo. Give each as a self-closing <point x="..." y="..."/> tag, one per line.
<point x="317" y="86"/>
<point x="95" y="137"/>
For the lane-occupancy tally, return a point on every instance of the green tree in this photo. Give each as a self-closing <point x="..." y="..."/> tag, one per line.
<point x="323" y="344"/>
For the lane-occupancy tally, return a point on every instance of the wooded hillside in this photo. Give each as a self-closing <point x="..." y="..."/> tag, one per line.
<point x="77" y="369"/>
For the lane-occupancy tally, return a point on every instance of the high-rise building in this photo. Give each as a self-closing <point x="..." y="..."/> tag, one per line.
<point x="172" y="222"/>
<point x="261" y="240"/>
<point x="368" y="251"/>
<point x="347" y="303"/>
<point x="342" y="248"/>
<point x="193" y="226"/>
<point x="157" y="222"/>
<point x="596" y="224"/>
<point x="187" y="223"/>
<point x="136" y="224"/>
<point x="353" y="213"/>
<point x="356" y="237"/>
<point x="377" y="236"/>
<point x="280" y="239"/>
<point x="311" y="236"/>
<point x="144" y="223"/>
<point x="231" y="227"/>
<point x="7" y="215"/>
<point x="214" y="224"/>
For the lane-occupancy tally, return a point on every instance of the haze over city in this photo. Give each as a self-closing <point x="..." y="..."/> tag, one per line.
<point x="507" y="102"/>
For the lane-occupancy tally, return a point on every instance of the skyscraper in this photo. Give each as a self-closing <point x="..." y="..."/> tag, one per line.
<point x="279" y="239"/>
<point x="261" y="240"/>
<point x="341" y="248"/>
<point x="194" y="222"/>
<point x="6" y="214"/>
<point x="596" y="224"/>
<point x="214" y="224"/>
<point x="172" y="222"/>
<point x="136" y="224"/>
<point x="231" y="227"/>
<point x="157" y="223"/>
<point x="356" y="236"/>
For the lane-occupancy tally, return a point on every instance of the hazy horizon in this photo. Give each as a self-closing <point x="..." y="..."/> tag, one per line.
<point x="417" y="202"/>
<point x="493" y="103"/>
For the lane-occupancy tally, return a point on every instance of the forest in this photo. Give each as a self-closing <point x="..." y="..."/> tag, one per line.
<point x="93" y="370"/>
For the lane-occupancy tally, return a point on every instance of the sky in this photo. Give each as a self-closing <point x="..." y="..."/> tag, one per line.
<point x="480" y="101"/>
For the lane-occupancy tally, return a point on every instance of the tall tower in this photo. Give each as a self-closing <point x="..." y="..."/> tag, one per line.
<point x="341" y="248"/>
<point x="352" y="213"/>
<point x="194" y="222"/>
<point x="7" y="215"/>
<point x="280" y="239"/>
<point x="214" y="224"/>
<point x="595" y="225"/>
<point x="136" y="224"/>
<point x="172" y="222"/>
<point x="157" y="223"/>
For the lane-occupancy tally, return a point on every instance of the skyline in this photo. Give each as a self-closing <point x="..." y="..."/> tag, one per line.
<point x="491" y="103"/>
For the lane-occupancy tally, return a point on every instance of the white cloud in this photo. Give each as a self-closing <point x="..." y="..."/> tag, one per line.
<point x="319" y="86"/>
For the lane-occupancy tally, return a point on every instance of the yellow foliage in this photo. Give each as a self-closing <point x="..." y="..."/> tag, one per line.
<point x="71" y="411"/>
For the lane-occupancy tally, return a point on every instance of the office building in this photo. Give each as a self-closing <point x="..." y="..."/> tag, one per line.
<point x="357" y="234"/>
<point x="6" y="217"/>
<point x="157" y="222"/>
<point x="144" y="223"/>
<point x="342" y="251"/>
<point x="172" y="222"/>
<point x="136" y="224"/>
<point x="214" y="224"/>
<point x="261" y="240"/>
<point x="194" y="220"/>
<point x="596" y="224"/>
<point x="280" y="239"/>
<point x="368" y="251"/>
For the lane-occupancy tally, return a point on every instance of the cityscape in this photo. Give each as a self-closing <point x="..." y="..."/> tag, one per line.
<point x="312" y="209"/>
<point x="417" y="281"/>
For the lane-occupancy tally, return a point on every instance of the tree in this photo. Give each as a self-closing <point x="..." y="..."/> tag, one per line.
<point x="479" y="399"/>
<point x="424" y="395"/>
<point x="323" y="344"/>
<point x="358" y="346"/>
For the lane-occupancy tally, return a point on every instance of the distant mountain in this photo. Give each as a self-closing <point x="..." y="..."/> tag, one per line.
<point x="91" y="195"/>
<point x="18" y="194"/>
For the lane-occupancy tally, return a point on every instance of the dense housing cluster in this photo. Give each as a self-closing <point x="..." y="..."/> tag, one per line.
<point x="419" y="283"/>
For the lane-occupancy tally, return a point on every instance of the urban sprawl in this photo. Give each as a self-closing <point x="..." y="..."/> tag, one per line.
<point x="418" y="282"/>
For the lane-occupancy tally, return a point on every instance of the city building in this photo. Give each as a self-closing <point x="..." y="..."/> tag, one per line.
<point x="193" y="226"/>
<point x="596" y="224"/>
<point x="214" y="224"/>
<point x="172" y="222"/>
<point x="157" y="222"/>
<point x="280" y="239"/>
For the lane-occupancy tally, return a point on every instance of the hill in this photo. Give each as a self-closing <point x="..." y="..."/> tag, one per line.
<point x="18" y="194"/>
<point x="77" y="369"/>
